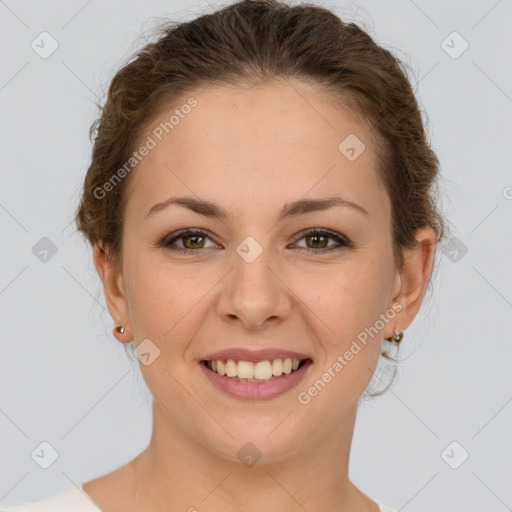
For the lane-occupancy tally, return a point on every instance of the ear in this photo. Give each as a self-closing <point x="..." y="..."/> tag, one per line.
<point x="113" y="285"/>
<point x="411" y="281"/>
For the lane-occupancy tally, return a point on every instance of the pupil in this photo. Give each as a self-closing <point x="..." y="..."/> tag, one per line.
<point x="316" y="237"/>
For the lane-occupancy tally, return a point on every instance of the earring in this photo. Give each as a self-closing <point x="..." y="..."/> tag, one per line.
<point x="397" y="336"/>
<point x="119" y="329"/>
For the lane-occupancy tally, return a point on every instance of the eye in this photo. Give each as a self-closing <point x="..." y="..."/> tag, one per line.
<point x="319" y="237"/>
<point x="193" y="241"/>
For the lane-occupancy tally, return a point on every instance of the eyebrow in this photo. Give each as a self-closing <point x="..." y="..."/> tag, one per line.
<point x="300" y="207"/>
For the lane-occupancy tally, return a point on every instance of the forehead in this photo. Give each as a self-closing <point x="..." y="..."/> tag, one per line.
<point x="238" y="143"/>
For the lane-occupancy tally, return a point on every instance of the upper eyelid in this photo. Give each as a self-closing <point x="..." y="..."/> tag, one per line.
<point x="187" y="232"/>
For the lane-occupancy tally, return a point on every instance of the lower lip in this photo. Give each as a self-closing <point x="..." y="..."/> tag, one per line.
<point x="257" y="390"/>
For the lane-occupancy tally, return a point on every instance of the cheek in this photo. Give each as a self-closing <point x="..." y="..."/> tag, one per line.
<point x="346" y="308"/>
<point x="157" y="298"/>
<point x="345" y="297"/>
<point x="168" y="304"/>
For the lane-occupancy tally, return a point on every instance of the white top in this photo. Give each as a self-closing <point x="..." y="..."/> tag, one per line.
<point x="70" y="499"/>
<point x="74" y="499"/>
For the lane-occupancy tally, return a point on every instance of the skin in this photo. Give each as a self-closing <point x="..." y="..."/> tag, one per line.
<point x="250" y="151"/>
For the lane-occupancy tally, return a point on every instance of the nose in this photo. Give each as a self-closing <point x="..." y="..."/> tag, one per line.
<point x="254" y="294"/>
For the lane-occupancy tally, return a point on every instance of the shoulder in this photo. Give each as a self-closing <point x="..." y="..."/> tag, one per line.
<point x="70" y="499"/>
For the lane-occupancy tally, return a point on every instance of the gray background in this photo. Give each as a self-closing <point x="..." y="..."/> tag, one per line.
<point x="66" y="381"/>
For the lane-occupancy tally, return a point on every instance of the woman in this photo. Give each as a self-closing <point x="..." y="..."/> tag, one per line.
<point x="260" y="209"/>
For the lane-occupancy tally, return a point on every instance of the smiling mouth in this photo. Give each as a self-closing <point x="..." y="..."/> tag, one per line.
<point x="248" y="371"/>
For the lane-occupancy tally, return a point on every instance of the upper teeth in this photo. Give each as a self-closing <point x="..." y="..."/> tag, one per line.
<point x="262" y="370"/>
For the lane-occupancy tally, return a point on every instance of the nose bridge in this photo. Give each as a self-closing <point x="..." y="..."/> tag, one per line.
<point x="252" y="271"/>
<point x="255" y="294"/>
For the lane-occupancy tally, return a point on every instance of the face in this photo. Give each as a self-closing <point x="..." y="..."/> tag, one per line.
<point x="263" y="282"/>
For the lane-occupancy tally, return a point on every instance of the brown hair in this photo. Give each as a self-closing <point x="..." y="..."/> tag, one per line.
<point x="249" y="42"/>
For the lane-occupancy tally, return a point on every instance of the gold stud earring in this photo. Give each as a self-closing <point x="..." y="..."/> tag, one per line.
<point x="119" y="329"/>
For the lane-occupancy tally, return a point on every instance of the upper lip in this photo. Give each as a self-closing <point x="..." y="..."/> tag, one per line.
<point x="245" y="354"/>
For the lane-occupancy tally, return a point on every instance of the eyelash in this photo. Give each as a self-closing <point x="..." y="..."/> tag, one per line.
<point x="342" y="241"/>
